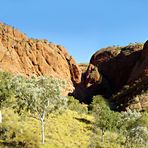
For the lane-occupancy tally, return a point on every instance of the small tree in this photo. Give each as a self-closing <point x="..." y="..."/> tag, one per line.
<point x="105" y="118"/>
<point x="40" y="96"/>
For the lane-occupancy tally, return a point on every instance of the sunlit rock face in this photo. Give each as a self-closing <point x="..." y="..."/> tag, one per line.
<point x="22" y="55"/>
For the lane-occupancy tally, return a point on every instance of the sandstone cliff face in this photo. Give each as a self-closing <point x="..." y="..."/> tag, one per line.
<point x="141" y="67"/>
<point x="114" y="64"/>
<point x="113" y="67"/>
<point x="22" y="55"/>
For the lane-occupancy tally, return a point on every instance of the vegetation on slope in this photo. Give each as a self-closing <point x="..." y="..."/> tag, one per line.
<point x="76" y="126"/>
<point x="64" y="130"/>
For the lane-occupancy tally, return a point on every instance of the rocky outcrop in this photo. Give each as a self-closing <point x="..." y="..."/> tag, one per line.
<point x="113" y="67"/>
<point x="118" y="73"/>
<point x="141" y="67"/>
<point x="133" y="96"/>
<point x="114" y="64"/>
<point x="22" y="55"/>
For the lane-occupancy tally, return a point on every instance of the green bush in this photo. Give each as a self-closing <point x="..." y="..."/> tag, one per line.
<point x="75" y="105"/>
<point x="6" y="89"/>
<point x="105" y="119"/>
<point x="17" y="131"/>
<point x="97" y="100"/>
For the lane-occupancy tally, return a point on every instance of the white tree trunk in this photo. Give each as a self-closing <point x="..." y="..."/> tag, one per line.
<point x="102" y="135"/>
<point x="42" y="129"/>
<point x="0" y="117"/>
<point x="43" y="137"/>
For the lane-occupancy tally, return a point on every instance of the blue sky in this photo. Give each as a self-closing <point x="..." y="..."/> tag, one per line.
<point x="82" y="26"/>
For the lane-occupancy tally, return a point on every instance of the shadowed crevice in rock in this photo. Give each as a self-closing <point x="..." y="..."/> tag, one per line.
<point x="112" y="68"/>
<point x="109" y="77"/>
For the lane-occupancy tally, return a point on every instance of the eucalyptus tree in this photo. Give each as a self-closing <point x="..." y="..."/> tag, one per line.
<point x="39" y="96"/>
<point x="105" y="119"/>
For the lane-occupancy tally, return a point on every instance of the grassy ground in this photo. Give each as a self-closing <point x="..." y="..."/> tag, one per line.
<point x="67" y="130"/>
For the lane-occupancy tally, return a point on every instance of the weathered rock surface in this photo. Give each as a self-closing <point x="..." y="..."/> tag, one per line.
<point x="22" y="55"/>
<point x="141" y="67"/>
<point x="113" y="67"/>
<point x="109" y="71"/>
<point x="114" y="64"/>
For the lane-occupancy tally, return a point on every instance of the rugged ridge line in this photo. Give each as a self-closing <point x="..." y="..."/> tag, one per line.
<point x="22" y="55"/>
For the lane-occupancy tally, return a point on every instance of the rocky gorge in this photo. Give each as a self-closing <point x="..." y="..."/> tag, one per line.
<point x="120" y="74"/>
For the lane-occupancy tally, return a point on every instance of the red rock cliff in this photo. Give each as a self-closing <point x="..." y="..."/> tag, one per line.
<point x="113" y="67"/>
<point x="22" y="55"/>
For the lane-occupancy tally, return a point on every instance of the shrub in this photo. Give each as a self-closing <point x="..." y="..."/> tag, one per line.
<point x="75" y="105"/>
<point x="14" y="131"/>
<point x="6" y="89"/>
<point x="135" y="128"/>
<point x="105" y="119"/>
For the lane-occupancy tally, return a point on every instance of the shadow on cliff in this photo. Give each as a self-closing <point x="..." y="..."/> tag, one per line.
<point x="114" y="75"/>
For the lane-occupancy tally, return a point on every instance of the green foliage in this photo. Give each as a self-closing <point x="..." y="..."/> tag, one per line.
<point x="99" y="101"/>
<point x="75" y="105"/>
<point x="73" y="128"/>
<point x="112" y="140"/>
<point x="131" y="126"/>
<point x="14" y="130"/>
<point x="135" y="127"/>
<point x="137" y="136"/>
<point x="6" y="89"/>
<point x="105" y="118"/>
<point x="39" y="95"/>
<point x="143" y="120"/>
<point x="128" y="118"/>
